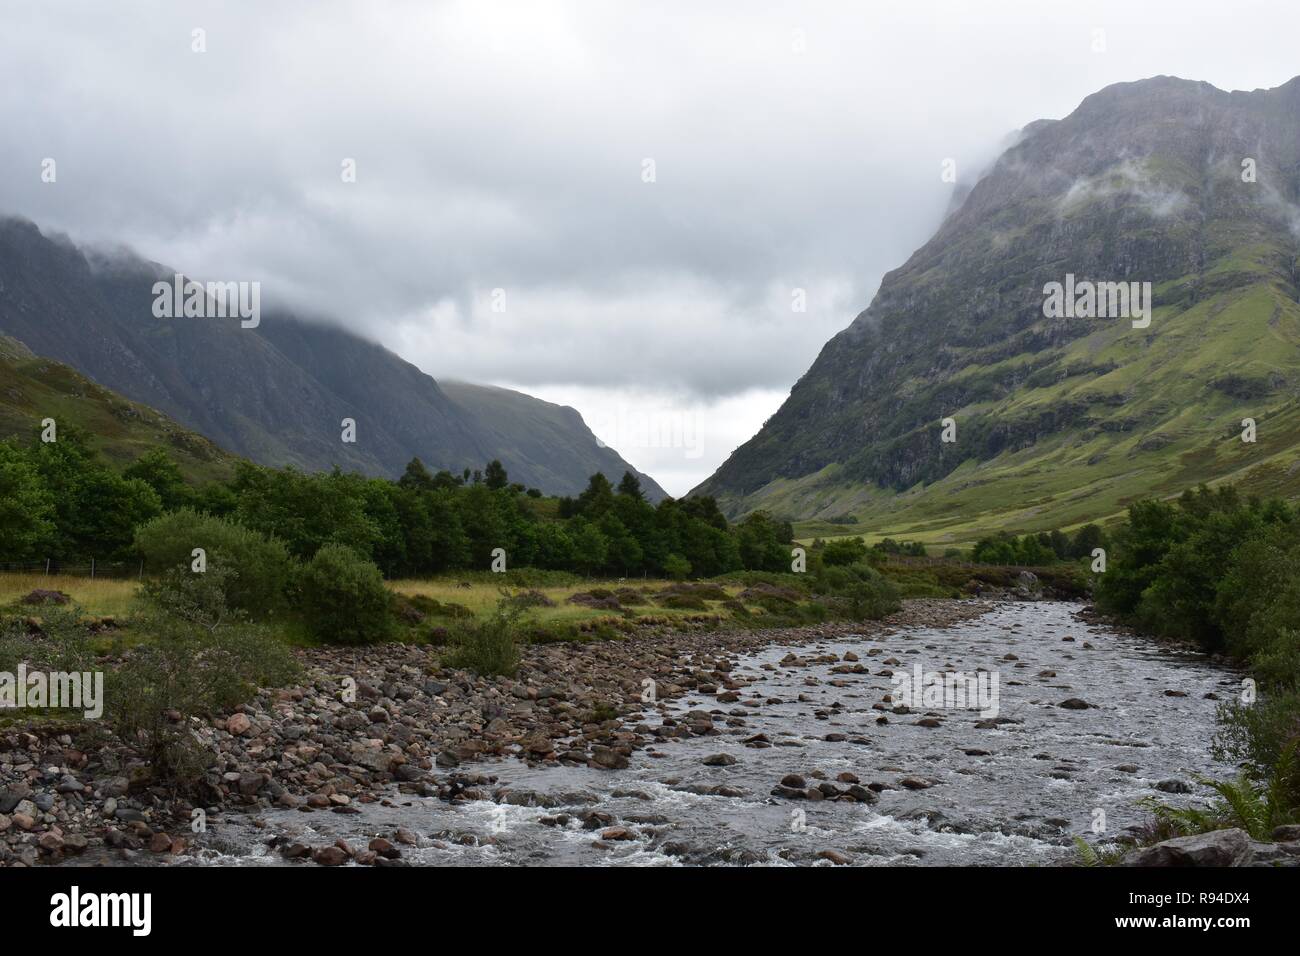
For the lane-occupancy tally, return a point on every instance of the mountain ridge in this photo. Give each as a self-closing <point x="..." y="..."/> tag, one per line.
<point x="1141" y="182"/>
<point x="277" y="393"/>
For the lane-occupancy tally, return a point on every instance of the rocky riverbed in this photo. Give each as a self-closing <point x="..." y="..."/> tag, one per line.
<point x="698" y="747"/>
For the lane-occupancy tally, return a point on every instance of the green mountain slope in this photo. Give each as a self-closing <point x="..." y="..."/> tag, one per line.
<point x="1064" y="420"/>
<point x="33" y="388"/>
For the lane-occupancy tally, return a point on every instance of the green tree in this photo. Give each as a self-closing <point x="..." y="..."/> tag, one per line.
<point x="160" y="472"/>
<point x="494" y="476"/>
<point x="26" y="508"/>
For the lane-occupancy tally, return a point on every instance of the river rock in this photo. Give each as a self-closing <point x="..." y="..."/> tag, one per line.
<point x="329" y="856"/>
<point x="1217" y="848"/>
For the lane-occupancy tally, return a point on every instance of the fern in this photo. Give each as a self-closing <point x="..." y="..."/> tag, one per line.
<point x="1255" y="808"/>
<point x="1087" y="855"/>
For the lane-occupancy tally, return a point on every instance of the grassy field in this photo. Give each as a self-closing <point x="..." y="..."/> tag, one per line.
<point x="482" y="597"/>
<point x="100" y="597"/>
<point x="108" y="597"/>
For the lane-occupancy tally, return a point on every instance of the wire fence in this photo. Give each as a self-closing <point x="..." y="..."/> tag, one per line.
<point x="82" y="568"/>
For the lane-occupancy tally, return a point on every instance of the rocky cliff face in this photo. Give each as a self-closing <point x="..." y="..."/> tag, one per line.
<point x="1144" y="182"/>
<point x="276" y="393"/>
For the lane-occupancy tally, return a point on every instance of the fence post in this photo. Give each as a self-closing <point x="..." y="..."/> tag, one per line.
<point x="140" y="576"/>
<point x="47" y="567"/>
<point x="92" y="569"/>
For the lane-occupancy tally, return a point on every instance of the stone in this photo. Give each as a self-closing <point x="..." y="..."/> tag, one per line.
<point x="839" y="859"/>
<point x="1216" y="848"/>
<point x="606" y="758"/>
<point x="384" y="848"/>
<point x="1288" y="833"/>
<point x="238" y="724"/>
<point x="329" y="856"/>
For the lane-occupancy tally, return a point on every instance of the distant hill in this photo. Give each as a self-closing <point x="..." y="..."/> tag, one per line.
<point x="276" y="393"/>
<point x="33" y="388"/>
<point x="1061" y="420"/>
<point x="533" y="428"/>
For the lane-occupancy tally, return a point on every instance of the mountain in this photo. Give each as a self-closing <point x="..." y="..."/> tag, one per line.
<point x="533" y="428"/>
<point x="278" y="392"/>
<point x="1062" y="420"/>
<point x="33" y="389"/>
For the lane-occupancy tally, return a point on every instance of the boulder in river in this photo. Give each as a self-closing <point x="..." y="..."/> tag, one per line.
<point x="1217" y="848"/>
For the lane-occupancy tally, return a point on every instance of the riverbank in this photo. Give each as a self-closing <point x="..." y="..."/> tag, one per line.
<point x="364" y="719"/>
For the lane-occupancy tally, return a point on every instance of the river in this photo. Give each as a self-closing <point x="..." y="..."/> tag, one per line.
<point x="1013" y="794"/>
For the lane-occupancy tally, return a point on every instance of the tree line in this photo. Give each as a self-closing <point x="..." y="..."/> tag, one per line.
<point x="61" y="500"/>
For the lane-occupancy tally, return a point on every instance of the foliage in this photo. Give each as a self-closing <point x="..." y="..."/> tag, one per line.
<point x="343" y="598"/>
<point x="489" y="646"/>
<point x="859" y="589"/>
<point x="199" y="658"/>
<point x="256" y="569"/>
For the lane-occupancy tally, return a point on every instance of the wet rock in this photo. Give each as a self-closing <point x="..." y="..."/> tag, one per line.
<point x="1074" y="703"/>
<point x="384" y="848"/>
<point x="329" y="856"/>
<point x="1174" y="786"/>
<point x="1217" y="848"/>
<point x="606" y="758"/>
<point x="839" y="859"/>
<point x="719" y="760"/>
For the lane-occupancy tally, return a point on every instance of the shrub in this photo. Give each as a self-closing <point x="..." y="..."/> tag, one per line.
<point x="199" y="658"/>
<point x="489" y="647"/>
<point x="843" y="551"/>
<point x="859" y="590"/>
<point x="60" y="642"/>
<point x="530" y="598"/>
<point x="1258" y="736"/>
<point x="258" y="568"/>
<point x="682" y="602"/>
<point x="343" y="598"/>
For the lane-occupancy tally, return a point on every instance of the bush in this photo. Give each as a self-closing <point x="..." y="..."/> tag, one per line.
<point x="198" y="658"/>
<point x="489" y="647"/>
<point x="859" y="590"/>
<point x="843" y="551"/>
<point x="257" y="569"/>
<point x="1258" y="736"/>
<point x="343" y="598"/>
<point x="60" y="644"/>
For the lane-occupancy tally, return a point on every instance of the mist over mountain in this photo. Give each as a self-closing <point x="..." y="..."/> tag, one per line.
<point x="1163" y="181"/>
<point x="278" y="392"/>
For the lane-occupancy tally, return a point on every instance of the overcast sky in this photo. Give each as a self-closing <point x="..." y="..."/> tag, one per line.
<point x="504" y="146"/>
